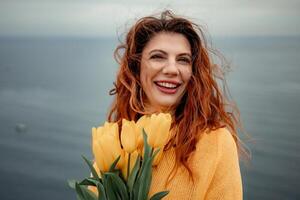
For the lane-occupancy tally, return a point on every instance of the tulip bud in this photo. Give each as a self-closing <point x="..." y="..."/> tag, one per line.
<point x="129" y="135"/>
<point x="163" y="124"/>
<point x="106" y="145"/>
<point x="157" y="128"/>
<point x="143" y="123"/>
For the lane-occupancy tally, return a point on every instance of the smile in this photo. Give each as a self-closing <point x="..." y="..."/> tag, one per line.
<point x="167" y="87"/>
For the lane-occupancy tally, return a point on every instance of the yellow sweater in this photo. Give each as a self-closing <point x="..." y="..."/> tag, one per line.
<point x="215" y="167"/>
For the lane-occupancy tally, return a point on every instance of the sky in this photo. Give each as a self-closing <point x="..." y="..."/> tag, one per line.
<point x="108" y="18"/>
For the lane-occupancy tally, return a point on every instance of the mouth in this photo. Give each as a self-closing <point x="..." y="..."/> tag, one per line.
<point x="167" y="87"/>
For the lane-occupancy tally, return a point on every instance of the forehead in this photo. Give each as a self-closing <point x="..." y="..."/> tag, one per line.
<point x="173" y="43"/>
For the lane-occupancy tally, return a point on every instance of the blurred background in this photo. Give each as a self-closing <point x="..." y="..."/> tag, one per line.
<point x="57" y="66"/>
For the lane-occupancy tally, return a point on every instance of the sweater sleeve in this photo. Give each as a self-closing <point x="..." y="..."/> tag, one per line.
<point x="226" y="183"/>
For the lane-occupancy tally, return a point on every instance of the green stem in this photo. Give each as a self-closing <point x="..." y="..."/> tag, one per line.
<point x="152" y="150"/>
<point x="128" y="165"/>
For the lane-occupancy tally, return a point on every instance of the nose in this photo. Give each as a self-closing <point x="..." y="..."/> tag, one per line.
<point x="171" y="68"/>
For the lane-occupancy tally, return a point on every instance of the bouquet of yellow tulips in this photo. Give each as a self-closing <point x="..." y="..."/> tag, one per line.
<point x="123" y="165"/>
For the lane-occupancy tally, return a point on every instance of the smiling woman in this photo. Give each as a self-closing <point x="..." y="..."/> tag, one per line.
<point x="166" y="67"/>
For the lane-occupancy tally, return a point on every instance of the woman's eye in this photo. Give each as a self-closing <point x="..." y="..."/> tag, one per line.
<point x="156" y="57"/>
<point x="184" y="60"/>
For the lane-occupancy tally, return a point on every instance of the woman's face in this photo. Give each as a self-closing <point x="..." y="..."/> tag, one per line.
<point x="166" y="68"/>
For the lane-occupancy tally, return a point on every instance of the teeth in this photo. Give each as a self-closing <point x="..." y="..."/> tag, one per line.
<point x="167" y="85"/>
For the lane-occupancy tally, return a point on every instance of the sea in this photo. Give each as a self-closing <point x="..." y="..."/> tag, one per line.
<point x="54" y="90"/>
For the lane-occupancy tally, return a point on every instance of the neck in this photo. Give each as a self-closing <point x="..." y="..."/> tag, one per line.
<point x="150" y="109"/>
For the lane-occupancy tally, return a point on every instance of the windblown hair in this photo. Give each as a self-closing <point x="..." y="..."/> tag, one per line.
<point x="203" y="106"/>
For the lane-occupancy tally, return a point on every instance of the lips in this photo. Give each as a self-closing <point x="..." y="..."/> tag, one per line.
<point x="167" y="87"/>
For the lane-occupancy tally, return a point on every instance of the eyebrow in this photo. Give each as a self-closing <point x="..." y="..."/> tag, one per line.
<point x="165" y="53"/>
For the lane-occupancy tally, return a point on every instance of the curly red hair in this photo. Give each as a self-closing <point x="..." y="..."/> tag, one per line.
<point x="203" y="105"/>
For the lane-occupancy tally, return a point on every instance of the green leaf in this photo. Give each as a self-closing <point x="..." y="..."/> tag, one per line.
<point x="90" y="164"/>
<point x="159" y="195"/>
<point x="155" y="153"/>
<point x="135" y="190"/>
<point x="101" y="192"/>
<point x="83" y="193"/>
<point x="147" y="151"/>
<point x="146" y="176"/>
<point x="145" y="180"/>
<point x="88" y="195"/>
<point x="133" y="175"/>
<point x="119" y="185"/>
<point x="107" y="183"/>
<point x="79" y="192"/>
<point x="142" y="184"/>
<point x="89" y="181"/>
<point x="113" y="166"/>
<point x="147" y="148"/>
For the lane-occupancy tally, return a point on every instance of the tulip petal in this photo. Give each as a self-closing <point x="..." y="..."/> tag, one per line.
<point x="129" y="136"/>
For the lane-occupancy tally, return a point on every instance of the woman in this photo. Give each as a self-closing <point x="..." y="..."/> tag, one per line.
<point x="166" y="67"/>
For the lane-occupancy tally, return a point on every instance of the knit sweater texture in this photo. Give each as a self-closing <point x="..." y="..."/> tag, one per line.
<point x="215" y="167"/>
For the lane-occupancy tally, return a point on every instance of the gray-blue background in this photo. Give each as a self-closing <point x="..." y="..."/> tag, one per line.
<point x="59" y="88"/>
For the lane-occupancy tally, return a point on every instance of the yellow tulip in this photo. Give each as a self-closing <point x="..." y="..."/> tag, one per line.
<point x="157" y="128"/>
<point x="129" y="135"/>
<point x="141" y="123"/>
<point x="133" y="157"/>
<point x="106" y="145"/>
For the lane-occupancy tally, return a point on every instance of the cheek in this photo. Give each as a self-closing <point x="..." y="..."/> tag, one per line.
<point x="145" y="78"/>
<point x="186" y="74"/>
<point x="147" y="73"/>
